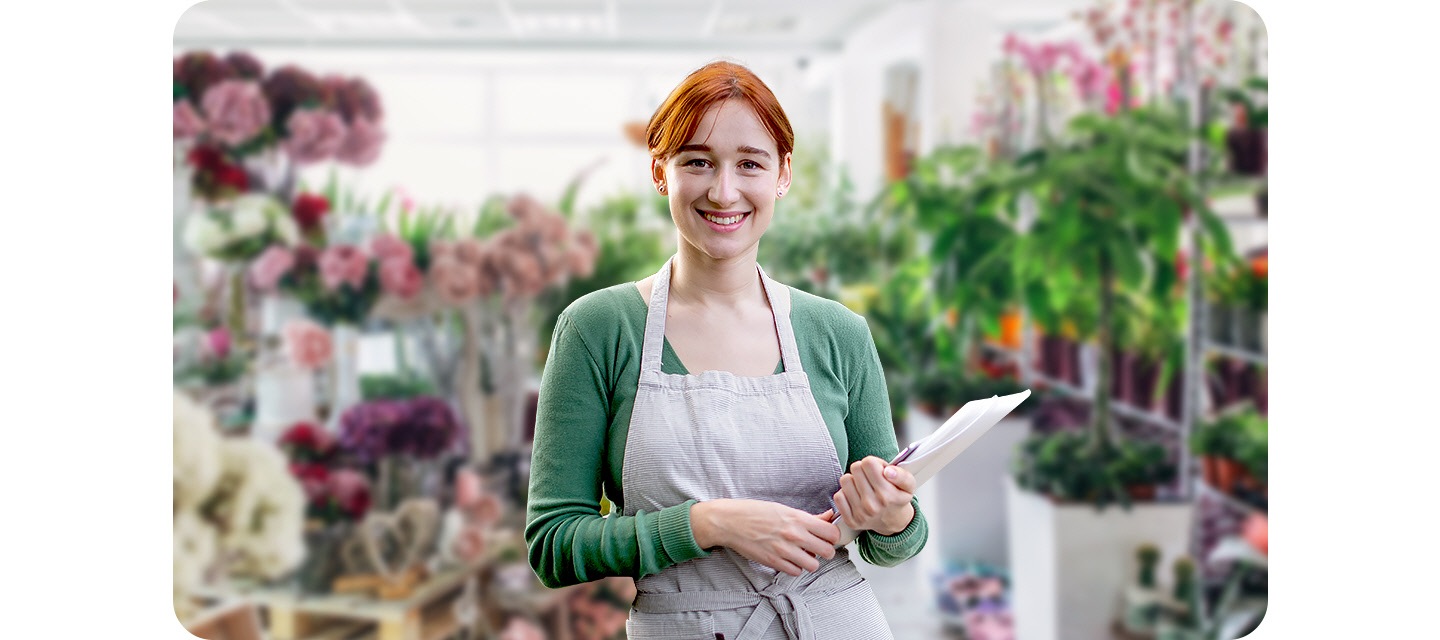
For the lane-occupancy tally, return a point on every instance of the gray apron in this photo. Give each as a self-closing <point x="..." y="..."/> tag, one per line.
<point x="717" y="435"/>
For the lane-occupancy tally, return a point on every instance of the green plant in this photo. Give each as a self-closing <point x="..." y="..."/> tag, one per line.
<point x="1250" y="98"/>
<point x="1111" y="201"/>
<point x="394" y="386"/>
<point x="1149" y="556"/>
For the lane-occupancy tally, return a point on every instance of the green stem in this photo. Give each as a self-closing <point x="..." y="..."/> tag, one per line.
<point x="236" y="319"/>
<point x="1102" y="438"/>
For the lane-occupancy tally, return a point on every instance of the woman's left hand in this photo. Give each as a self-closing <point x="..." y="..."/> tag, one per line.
<point x="875" y="496"/>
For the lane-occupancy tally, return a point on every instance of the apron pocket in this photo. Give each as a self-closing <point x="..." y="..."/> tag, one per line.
<point x="667" y="626"/>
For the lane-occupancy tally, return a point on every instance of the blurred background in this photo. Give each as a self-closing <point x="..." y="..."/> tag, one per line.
<point x="382" y="205"/>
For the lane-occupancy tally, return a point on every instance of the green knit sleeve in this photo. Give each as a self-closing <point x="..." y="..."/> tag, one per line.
<point x="870" y="432"/>
<point x="569" y="541"/>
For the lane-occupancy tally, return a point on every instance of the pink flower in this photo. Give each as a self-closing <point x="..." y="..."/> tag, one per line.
<point x="455" y="281"/>
<point x="343" y="264"/>
<point x="315" y="135"/>
<point x="307" y="343"/>
<point x="187" y="120"/>
<point x="361" y="146"/>
<point x="389" y="245"/>
<point x="217" y="342"/>
<point x="236" y="110"/>
<point x="470" y="251"/>
<point x="270" y="267"/>
<point x="519" y="628"/>
<point x="400" y="277"/>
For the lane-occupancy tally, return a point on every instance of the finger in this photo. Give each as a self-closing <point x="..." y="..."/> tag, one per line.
<point x="854" y="508"/>
<point x="900" y="478"/>
<point x="818" y="546"/>
<point x="784" y="566"/>
<point x="828" y="516"/>
<point x="826" y="531"/>
<point x="865" y="497"/>
<point x="846" y="513"/>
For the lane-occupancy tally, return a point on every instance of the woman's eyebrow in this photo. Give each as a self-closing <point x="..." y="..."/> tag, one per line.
<point x="746" y="149"/>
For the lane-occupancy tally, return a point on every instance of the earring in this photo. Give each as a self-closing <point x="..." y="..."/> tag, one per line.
<point x="662" y="187"/>
<point x="779" y="193"/>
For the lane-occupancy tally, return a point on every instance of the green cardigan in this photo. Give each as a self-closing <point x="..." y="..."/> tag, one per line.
<point x="587" y="392"/>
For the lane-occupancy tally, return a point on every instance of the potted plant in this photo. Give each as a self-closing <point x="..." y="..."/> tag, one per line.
<point x="1246" y="140"/>
<point x="1143" y="598"/>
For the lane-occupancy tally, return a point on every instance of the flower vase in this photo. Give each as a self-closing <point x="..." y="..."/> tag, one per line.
<point x="344" y="373"/>
<point x="322" y="562"/>
<point x="236" y="317"/>
<point x="284" y="395"/>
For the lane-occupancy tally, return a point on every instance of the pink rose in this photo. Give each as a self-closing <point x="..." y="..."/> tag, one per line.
<point x="389" y="245"/>
<point x="400" y="277"/>
<point x="455" y="281"/>
<point x="236" y="110"/>
<point x="187" y="120"/>
<point x="361" y="146"/>
<point x="315" y="135"/>
<point x="270" y="267"/>
<point x="343" y="264"/>
<point x="217" y="342"/>
<point x="470" y="251"/>
<point x="439" y="248"/>
<point x="307" y="343"/>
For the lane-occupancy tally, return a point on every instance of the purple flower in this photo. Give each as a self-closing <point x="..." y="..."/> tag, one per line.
<point x="353" y="98"/>
<point x="236" y="110"/>
<point x="315" y="135"/>
<point x="422" y="427"/>
<point x="245" y="66"/>
<point x="290" y="88"/>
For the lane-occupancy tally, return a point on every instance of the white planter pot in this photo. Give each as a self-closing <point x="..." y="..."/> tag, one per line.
<point x="345" y="373"/>
<point x="1070" y="564"/>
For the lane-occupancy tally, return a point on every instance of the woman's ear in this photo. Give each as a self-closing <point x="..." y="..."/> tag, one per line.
<point x="784" y="184"/>
<point x="657" y="174"/>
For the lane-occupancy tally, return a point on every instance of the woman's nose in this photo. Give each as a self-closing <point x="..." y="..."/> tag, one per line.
<point x="722" y="189"/>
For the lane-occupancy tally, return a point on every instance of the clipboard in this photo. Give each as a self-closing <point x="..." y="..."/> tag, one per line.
<point x="926" y="456"/>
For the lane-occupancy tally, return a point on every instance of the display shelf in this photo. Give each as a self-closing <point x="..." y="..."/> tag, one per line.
<point x="1120" y="408"/>
<point x="1236" y="352"/>
<point x="1204" y="488"/>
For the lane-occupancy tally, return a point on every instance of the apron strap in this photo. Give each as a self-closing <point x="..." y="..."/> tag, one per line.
<point x="653" y="347"/>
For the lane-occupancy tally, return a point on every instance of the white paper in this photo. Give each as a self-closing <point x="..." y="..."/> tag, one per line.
<point x="948" y="440"/>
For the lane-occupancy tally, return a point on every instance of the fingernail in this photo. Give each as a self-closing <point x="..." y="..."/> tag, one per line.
<point x="890" y="473"/>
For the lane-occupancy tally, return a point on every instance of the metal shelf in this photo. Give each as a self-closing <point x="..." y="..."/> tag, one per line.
<point x="1233" y="352"/>
<point x="1120" y="408"/>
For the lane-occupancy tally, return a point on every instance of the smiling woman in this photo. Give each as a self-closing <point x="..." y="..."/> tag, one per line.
<point x="730" y="419"/>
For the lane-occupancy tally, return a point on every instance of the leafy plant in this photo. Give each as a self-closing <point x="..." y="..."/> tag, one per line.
<point x="394" y="386"/>
<point x="1111" y="202"/>
<point x="1250" y="97"/>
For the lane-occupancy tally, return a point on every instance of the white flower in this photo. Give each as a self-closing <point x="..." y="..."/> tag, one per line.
<point x="196" y="452"/>
<point x="203" y="236"/>
<point x="248" y="217"/>
<point x="288" y="230"/>
<point x="195" y="548"/>
<point x="264" y="515"/>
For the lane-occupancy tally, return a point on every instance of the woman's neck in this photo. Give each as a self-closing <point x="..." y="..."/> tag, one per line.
<point x="701" y="280"/>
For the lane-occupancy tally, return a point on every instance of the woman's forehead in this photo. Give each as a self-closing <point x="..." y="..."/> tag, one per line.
<point x="735" y="121"/>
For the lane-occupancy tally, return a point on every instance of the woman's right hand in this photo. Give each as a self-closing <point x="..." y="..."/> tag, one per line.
<point x="770" y="533"/>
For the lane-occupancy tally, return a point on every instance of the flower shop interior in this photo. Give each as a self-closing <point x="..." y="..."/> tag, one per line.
<point x="381" y="207"/>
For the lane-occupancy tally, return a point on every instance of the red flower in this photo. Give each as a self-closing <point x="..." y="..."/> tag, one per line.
<point x="232" y="176"/>
<point x="308" y="440"/>
<point x="206" y="158"/>
<point x="314" y="478"/>
<point x="309" y="209"/>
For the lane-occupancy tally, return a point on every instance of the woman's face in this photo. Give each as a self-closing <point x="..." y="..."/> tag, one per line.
<point x="723" y="182"/>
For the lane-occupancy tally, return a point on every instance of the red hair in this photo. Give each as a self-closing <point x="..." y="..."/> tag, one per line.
<point x="679" y="116"/>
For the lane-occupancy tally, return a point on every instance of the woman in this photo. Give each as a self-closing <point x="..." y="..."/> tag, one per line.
<point x="713" y="407"/>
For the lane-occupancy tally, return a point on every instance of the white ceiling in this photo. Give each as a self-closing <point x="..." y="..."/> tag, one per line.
<point x="696" y="25"/>
<point x="814" y="25"/>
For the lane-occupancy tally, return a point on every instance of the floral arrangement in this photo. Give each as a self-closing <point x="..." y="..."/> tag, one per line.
<point x="239" y="230"/>
<point x="217" y="362"/>
<point x="229" y="108"/>
<point x="331" y="494"/>
<point x="517" y="262"/>
<point x="423" y="427"/>
<point x="307" y="344"/>
<point x="235" y="506"/>
<point x="977" y="595"/>
<point x="341" y="282"/>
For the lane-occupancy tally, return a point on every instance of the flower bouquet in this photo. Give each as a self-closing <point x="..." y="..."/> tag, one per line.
<point x="401" y="439"/>
<point x="336" y="499"/>
<point x="238" y="230"/>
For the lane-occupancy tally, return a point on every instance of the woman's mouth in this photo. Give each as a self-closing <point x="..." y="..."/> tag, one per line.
<point x="724" y="220"/>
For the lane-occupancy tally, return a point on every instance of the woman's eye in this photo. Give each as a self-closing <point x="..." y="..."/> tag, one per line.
<point x="749" y="164"/>
<point x="697" y="162"/>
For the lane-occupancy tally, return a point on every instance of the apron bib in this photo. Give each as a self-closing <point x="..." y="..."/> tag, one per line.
<point x="716" y="435"/>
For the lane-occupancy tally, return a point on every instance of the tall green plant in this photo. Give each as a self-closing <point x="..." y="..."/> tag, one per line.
<point x="1110" y="204"/>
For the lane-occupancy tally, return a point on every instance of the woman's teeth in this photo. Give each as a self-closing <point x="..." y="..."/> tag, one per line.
<point x="722" y="221"/>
